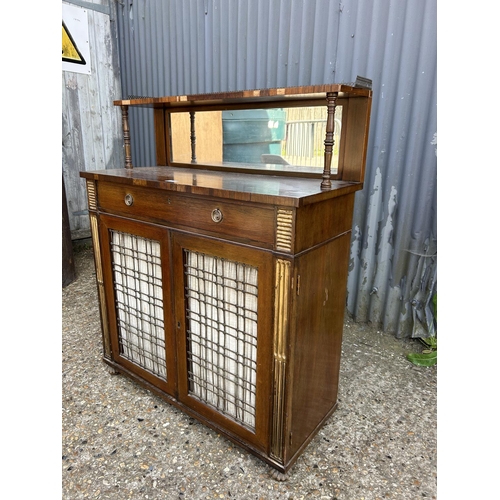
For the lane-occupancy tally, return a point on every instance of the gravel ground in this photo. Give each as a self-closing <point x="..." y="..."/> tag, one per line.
<point x="121" y="442"/>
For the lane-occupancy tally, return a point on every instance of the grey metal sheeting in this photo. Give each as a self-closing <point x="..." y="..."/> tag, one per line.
<point x="184" y="47"/>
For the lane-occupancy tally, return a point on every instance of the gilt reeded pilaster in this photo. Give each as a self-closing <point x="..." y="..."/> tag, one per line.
<point x="94" y="229"/>
<point x="280" y="339"/>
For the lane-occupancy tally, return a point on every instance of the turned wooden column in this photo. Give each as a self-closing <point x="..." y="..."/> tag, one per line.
<point x="331" y="99"/>
<point x="193" y="136"/>
<point x="126" y="137"/>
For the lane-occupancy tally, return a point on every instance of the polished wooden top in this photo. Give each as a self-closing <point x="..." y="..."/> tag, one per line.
<point x="218" y="99"/>
<point x="268" y="189"/>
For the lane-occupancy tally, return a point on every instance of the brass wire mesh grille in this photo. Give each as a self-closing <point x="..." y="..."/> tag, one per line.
<point x="221" y="312"/>
<point x="139" y="301"/>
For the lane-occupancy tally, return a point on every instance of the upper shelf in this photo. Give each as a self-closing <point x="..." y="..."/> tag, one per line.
<point x="316" y="131"/>
<point x="221" y="99"/>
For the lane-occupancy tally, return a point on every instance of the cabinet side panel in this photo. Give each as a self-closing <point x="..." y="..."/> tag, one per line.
<point x="319" y="222"/>
<point x="356" y="143"/>
<point x="319" y="319"/>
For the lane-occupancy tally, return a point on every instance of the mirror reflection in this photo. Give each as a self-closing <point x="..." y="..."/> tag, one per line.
<point x="277" y="138"/>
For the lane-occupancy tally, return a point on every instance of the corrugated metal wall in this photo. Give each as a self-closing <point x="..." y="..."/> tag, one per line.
<point x="92" y="137"/>
<point x="195" y="46"/>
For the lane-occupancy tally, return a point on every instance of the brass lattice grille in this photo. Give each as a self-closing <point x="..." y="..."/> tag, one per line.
<point x="139" y="301"/>
<point x="221" y="311"/>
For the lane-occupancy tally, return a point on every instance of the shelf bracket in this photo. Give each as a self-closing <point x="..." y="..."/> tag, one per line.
<point x="126" y="138"/>
<point x="331" y="99"/>
<point x="192" y="117"/>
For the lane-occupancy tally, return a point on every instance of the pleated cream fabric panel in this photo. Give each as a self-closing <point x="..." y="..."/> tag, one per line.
<point x="139" y="301"/>
<point x="222" y="334"/>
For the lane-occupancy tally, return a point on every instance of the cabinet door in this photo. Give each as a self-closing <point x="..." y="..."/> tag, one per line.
<point x="223" y="306"/>
<point x="136" y="268"/>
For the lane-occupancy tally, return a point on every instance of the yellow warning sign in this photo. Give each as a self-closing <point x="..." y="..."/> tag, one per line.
<point x="70" y="52"/>
<point x="75" y="40"/>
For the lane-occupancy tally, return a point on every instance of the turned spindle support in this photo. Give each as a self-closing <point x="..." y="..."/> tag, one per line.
<point x="193" y="136"/>
<point x="126" y="137"/>
<point x="331" y="98"/>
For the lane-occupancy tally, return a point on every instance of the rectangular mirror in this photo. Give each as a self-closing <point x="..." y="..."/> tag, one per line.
<point x="269" y="139"/>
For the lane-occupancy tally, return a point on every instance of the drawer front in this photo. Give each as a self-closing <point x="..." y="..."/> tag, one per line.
<point x="239" y="222"/>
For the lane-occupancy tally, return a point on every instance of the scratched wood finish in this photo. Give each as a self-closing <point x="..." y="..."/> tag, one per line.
<point x="277" y="190"/>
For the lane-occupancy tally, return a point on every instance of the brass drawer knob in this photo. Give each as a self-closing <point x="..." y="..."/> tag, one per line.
<point x="129" y="200"/>
<point x="216" y="215"/>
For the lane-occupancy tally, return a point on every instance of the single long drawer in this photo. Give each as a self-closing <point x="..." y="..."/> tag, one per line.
<point x="240" y="222"/>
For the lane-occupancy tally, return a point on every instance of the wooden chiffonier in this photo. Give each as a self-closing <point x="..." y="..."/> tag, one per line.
<point x="222" y="270"/>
